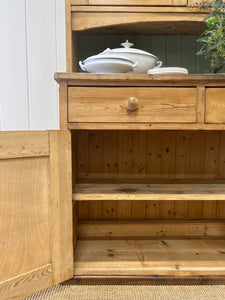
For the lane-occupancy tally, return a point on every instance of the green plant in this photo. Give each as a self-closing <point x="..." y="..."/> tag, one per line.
<point x="213" y="38"/>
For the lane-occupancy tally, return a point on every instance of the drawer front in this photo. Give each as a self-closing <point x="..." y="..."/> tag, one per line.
<point x="108" y="104"/>
<point x="215" y="105"/>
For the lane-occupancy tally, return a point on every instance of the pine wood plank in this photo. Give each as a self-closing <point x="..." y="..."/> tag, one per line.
<point x="158" y="8"/>
<point x="25" y="228"/>
<point x="110" y="169"/>
<point x="145" y="126"/>
<point x="135" y="22"/>
<point x="82" y="210"/>
<point x="139" y="150"/>
<point x="143" y="229"/>
<point x="153" y="161"/>
<point x="23" y="144"/>
<point x="145" y="257"/>
<point x="183" y="144"/>
<point x="124" y="170"/>
<point x="152" y="210"/>
<point x="154" y="155"/>
<point x="167" y="170"/>
<point x="110" y="153"/>
<point x="212" y="145"/>
<point x="209" y="210"/>
<point x="61" y="205"/>
<point x="27" y="283"/>
<point x="221" y="204"/>
<point x="95" y="168"/>
<point x="197" y="170"/>
<point x="126" y="191"/>
<point x="89" y="79"/>
<point x="200" y="104"/>
<point x="82" y="153"/>
<point x="63" y="109"/>
<point x="212" y="140"/>
<point x="180" y="2"/>
<point x="82" y="168"/>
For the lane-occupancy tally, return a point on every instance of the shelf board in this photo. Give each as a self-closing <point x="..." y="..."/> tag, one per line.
<point x="150" y="229"/>
<point x="147" y="20"/>
<point x="181" y="257"/>
<point x="149" y="191"/>
<point x="134" y="79"/>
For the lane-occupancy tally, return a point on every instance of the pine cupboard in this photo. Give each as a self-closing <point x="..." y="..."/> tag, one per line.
<point x="148" y="182"/>
<point x="118" y="195"/>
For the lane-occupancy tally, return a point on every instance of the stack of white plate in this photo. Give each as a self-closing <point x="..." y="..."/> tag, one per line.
<point x="168" y="70"/>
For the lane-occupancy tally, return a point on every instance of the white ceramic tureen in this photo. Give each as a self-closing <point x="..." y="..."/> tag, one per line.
<point x="108" y="62"/>
<point x="145" y="60"/>
<point x="121" y="60"/>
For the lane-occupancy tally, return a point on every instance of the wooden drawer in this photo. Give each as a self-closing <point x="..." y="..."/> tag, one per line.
<point x="215" y="105"/>
<point x="108" y="104"/>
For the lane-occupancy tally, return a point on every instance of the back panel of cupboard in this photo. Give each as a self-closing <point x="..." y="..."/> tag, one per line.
<point x="105" y="155"/>
<point x="173" y="50"/>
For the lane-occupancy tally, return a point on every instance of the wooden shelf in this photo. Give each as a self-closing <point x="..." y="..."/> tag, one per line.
<point x="209" y="190"/>
<point x="145" y="20"/>
<point x="181" y="257"/>
<point x="150" y="229"/>
<point x="133" y="79"/>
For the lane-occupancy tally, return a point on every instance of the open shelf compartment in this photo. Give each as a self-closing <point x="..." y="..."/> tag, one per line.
<point x="149" y="204"/>
<point x="183" y="257"/>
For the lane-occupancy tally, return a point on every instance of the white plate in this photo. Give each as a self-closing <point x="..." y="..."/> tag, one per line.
<point x="168" y="70"/>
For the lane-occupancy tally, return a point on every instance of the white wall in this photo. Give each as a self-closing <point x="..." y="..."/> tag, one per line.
<point x="32" y="49"/>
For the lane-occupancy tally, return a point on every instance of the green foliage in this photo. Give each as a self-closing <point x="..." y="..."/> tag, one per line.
<point x="213" y="38"/>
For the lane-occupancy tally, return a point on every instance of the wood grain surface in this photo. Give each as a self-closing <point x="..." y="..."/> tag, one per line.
<point x="156" y="105"/>
<point x="184" y="257"/>
<point x="149" y="229"/>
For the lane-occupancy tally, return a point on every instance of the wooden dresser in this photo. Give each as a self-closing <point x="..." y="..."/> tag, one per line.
<point x="118" y="195"/>
<point x="148" y="184"/>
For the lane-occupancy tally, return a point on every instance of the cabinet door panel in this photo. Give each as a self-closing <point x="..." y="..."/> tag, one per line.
<point x="29" y="229"/>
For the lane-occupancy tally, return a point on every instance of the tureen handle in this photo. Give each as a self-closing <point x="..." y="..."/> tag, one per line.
<point x="82" y="66"/>
<point x="159" y="64"/>
<point x="134" y="66"/>
<point x="127" y="44"/>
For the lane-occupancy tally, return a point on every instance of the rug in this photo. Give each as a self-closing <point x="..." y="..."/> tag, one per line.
<point x="131" y="292"/>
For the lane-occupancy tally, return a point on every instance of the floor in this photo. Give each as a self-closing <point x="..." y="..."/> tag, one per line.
<point x="131" y="292"/>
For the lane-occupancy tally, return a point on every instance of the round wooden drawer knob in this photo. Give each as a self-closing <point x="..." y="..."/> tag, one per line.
<point x="132" y="103"/>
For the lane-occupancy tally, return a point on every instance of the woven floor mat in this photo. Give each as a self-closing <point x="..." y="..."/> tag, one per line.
<point x="131" y="292"/>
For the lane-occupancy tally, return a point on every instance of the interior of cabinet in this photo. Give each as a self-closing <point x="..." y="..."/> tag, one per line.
<point x="173" y="50"/>
<point x="149" y="202"/>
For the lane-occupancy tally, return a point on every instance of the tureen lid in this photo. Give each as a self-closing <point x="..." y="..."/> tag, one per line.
<point x="127" y="49"/>
<point x="108" y="53"/>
